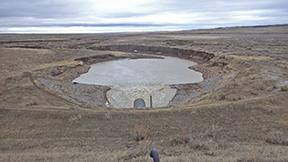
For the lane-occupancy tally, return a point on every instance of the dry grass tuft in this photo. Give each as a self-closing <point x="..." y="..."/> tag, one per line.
<point x="139" y="132"/>
<point x="277" y="138"/>
<point x="108" y="115"/>
<point x="284" y="89"/>
<point x="182" y="138"/>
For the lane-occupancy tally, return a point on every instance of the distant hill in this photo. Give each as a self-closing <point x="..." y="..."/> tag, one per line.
<point x="255" y="26"/>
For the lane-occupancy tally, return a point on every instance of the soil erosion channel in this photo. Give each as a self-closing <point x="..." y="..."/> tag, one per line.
<point x="141" y="82"/>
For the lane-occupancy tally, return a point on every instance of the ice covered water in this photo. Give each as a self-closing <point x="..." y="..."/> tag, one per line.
<point x="133" y="72"/>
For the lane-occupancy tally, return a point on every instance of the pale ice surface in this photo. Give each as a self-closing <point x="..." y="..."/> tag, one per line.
<point x="133" y="72"/>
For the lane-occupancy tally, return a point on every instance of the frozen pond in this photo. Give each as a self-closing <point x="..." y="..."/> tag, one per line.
<point x="148" y="72"/>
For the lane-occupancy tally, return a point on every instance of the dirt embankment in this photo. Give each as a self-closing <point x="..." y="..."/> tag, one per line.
<point x="58" y="80"/>
<point x="109" y="57"/>
<point x="197" y="56"/>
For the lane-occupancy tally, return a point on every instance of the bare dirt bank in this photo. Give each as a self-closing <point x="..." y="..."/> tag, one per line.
<point x="197" y="56"/>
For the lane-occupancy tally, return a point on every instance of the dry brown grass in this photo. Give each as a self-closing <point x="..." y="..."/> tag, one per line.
<point x="139" y="132"/>
<point x="277" y="138"/>
<point x="250" y="58"/>
<point x="231" y="127"/>
<point x="236" y="153"/>
<point x="284" y="88"/>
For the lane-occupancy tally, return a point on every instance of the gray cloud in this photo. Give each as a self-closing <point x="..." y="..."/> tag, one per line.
<point x="16" y="15"/>
<point x="37" y="8"/>
<point x="225" y="5"/>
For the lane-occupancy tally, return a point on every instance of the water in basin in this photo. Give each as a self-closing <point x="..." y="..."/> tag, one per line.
<point x="133" y="72"/>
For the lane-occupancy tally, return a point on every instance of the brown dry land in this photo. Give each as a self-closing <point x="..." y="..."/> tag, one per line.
<point x="239" y="113"/>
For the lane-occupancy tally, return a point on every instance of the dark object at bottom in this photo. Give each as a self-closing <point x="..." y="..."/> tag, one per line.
<point x="155" y="155"/>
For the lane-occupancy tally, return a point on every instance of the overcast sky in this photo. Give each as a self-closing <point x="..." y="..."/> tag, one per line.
<point x="85" y="16"/>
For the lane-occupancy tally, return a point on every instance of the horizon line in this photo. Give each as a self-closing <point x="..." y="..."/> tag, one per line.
<point x="137" y="26"/>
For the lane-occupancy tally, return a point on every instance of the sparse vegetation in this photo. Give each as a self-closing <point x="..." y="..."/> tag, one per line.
<point x="284" y="88"/>
<point x="238" y="114"/>
<point x="277" y="138"/>
<point x="139" y="132"/>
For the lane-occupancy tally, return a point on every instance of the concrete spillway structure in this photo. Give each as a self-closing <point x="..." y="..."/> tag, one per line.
<point x="124" y="97"/>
